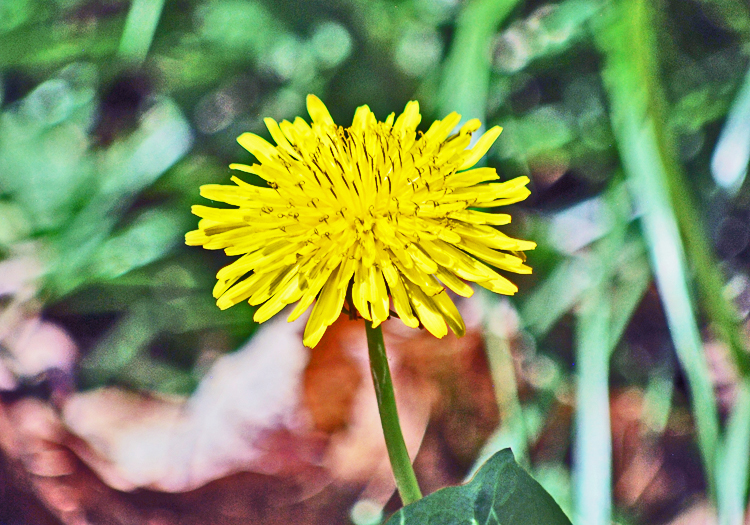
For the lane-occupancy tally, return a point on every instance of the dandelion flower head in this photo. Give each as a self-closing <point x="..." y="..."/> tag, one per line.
<point x="363" y="215"/>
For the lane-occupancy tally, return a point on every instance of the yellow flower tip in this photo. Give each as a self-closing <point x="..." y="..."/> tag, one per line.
<point x="482" y="146"/>
<point x="366" y="215"/>
<point x="471" y="126"/>
<point x="312" y="337"/>
<point x="223" y="303"/>
<point x="258" y="146"/>
<point x="195" y="238"/>
<point x="318" y="111"/>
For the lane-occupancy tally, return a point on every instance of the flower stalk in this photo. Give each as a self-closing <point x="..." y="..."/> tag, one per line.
<point x="406" y="481"/>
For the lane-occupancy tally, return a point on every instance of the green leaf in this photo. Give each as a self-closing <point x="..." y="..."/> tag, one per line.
<point x="501" y="493"/>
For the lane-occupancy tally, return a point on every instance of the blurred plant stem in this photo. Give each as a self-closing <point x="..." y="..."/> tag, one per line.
<point x="512" y="431"/>
<point x="593" y="445"/>
<point x="140" y="27"/>
<point x="466" y="72"/>
<point x="406" y="481"/>
<point x="632" y="82"/>
<point x="598" y="330"/>
<point x="734" y="460"/>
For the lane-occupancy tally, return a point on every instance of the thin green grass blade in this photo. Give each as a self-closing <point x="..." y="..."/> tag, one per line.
<point x="512" y="432"/>
<point x="657" y="400"/>
<point x="556" y="295"/>
<point x="593" y="444"/>
<point x="632" y="85"/>
<point x="732" y="153"/>
<point x="466" y="72"/>
<point x="596" y="336"/>
<point x="734" y="461"/>
<point x="140" y="27"/>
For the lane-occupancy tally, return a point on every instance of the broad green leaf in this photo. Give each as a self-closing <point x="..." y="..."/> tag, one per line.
<point x="502" y="493"/>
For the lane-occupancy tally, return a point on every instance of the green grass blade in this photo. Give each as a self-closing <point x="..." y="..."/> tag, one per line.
<point x="593" y="445"/>
<point x="631" y="81"/>
<point x="732" y="153"/>
<point x="556" y="295"/>
<point x="140" y="27"/>
<point x="466" y="72"/>
<point x="512" y="432"/>
<point x="734" y="461"/>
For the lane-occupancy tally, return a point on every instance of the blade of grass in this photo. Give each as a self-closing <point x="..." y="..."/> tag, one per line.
<point x="732" y="153"/>
<point x="633" y="280"/>
<point x="140" y="27"/>
<point x="556" y="295"/>
<point x="734" y="461"/>
<point x="466" y="72"/>
<point x="592" y="452"/>
<point x="657" y="400"/>
<point x="602" y="314"/>
<point x="512" y="430"/>
<point x="631" y="79"/>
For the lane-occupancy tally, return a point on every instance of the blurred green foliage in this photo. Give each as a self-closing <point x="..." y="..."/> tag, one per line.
<point x="630" y="117"/>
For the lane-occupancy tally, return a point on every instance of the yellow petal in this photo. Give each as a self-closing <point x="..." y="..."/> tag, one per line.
<point x="499" y="285"/>
<point x="454" y="283"/>
<point x="399" y="294"/>
<point x="450" y="313"/>
<point x="318" y="111"/>
<point x="359" y="123"/>
<point x="195" y="238"/>
<point x="427" y="311"/>
<point x="480" y="217"/>
<point x="481" y="147"/>
<point x="409" y="119"/>
<point x="379" y="300"/>
<point x="504" y="261"/>
<point x="472" y="177"/>
<point x="440" y="129"/>
<point x="278" y="137"/>
<point x="222" y="285"/>
<point x="256" y="145"/>
<point x="421" y="259"/>
<point x="270" y="308"/>
<point x="471" y="126"/>
<point x="324" y="313"/>
<point x="239" y="292"/>
<point x="359" y="291"/>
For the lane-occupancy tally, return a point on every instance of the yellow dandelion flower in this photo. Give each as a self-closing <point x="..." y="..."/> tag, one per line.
<point x="362" y="215"/>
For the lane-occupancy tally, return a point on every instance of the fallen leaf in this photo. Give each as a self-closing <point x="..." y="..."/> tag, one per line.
<point x="36" y="346"/>
<point x="245" y="415"/>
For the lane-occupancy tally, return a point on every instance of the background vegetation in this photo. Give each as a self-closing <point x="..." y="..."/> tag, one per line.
<point x="629" y="397"/>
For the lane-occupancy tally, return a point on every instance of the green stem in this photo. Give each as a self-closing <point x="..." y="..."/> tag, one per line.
<point x="631" y="80"/>
<point x="406" y="481"/>
<point x="593" y="441"/>
<point x="139" y="30"/>
<point x="466" y="74"/>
